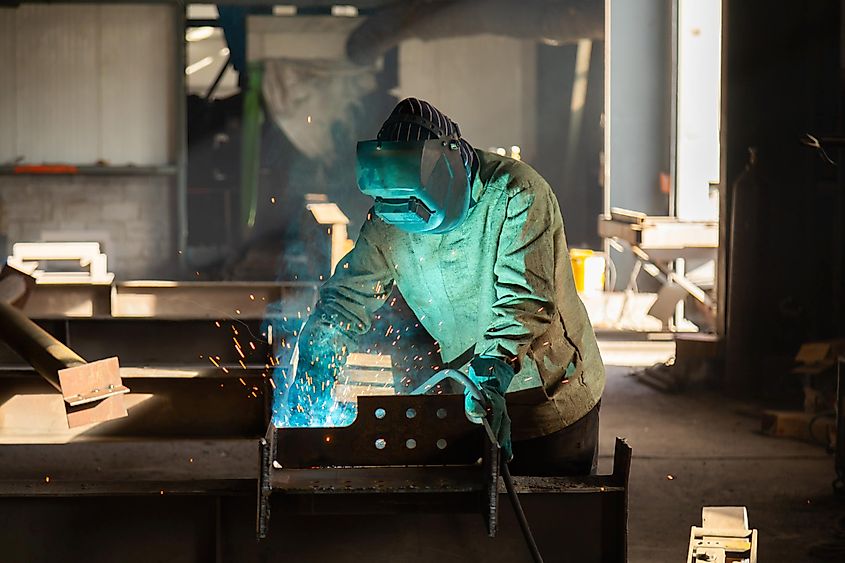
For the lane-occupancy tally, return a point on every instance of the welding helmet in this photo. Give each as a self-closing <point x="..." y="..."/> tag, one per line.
<point x="420" y="186"/>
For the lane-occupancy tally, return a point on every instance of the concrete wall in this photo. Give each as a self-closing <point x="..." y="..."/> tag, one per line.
<point x="129" y="216"/>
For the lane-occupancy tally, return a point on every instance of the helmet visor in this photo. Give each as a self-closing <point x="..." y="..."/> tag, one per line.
<point x="419" y="186"/>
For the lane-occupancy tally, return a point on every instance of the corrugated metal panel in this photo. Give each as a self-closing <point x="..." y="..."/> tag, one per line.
<point x="56" y="80"/>
<point x="8" y="100"/>
<point x="503" y="76"/>
<point x="136" y="83"/>
<point x="89" y="83"/>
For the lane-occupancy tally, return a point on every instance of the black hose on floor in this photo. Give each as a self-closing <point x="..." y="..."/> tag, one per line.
<point x="476" y="392"/>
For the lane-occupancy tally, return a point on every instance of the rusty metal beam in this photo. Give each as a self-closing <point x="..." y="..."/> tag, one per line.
<point x="92" y="391"/>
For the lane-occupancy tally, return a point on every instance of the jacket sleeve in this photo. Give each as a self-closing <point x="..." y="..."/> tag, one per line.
<point x="360" y="285"/>
<point x="524" y="274"/>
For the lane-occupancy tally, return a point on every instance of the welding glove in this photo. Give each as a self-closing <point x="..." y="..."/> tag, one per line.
<point x="493" y="376"/>
<point x="309" y="400"/>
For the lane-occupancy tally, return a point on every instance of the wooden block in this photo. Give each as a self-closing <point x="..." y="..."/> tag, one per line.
<point x="350" y="393"/>
<point x="366" y="376"/>
<point x="813" y="352"/>
<point x="365" y="370"/>
<point x="369" y="360"/>
<point x="797" y="425"/>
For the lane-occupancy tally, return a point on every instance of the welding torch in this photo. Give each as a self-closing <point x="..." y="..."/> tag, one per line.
<point x="476" y="392"/>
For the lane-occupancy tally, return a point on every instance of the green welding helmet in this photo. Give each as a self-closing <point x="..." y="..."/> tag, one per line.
<point x="418" y="186"/>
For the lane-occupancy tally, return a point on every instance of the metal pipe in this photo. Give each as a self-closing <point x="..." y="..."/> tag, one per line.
<point x="554" y="21"/>
<point x="92" y="392"/>
<point x="35" y="345"/>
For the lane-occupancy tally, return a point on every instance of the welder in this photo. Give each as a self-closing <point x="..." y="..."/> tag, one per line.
<point x="475" y="244"/>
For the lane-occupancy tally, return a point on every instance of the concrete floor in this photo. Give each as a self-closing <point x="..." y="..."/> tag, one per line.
<point x="716" y="457"/>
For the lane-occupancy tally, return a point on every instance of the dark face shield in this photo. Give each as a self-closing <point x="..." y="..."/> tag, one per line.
<point x="418" y="186"/>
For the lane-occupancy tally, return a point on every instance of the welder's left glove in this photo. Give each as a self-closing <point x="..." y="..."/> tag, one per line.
<point x="493" y="376"/>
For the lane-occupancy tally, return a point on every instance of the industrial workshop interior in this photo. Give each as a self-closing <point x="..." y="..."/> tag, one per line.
<point x="422" y="281"/>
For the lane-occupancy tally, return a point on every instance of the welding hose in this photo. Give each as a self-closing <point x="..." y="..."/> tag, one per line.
<point x="520" y="514"/>
<point x="477" y="394"/>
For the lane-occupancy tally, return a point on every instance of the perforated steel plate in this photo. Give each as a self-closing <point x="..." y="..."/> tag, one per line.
<point x="389" y="430"/>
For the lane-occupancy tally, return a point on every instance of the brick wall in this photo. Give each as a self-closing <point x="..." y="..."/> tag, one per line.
<point x="131" y="217"/>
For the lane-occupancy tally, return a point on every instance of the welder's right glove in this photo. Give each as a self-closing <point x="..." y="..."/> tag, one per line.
<point x="493" y="376"/>
<point x="321" y="356"/>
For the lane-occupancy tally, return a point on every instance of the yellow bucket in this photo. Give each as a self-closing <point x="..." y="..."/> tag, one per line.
<point x="587" y="269"/>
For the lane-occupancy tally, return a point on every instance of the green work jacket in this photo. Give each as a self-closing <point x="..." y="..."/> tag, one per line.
<point x="501" y="283"/>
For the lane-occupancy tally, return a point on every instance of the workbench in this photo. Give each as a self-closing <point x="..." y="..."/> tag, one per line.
<point x="662" y="246"/>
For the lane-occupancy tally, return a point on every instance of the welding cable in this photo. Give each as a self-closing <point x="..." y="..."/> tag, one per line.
<point x="520" y="514"/>
<point x="505" y="471"/>
<point x="476" y="392"/>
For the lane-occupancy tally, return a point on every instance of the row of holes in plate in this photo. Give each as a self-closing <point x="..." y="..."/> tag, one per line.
<point x="410" y="443"/>
<point x="409" y="413"/>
